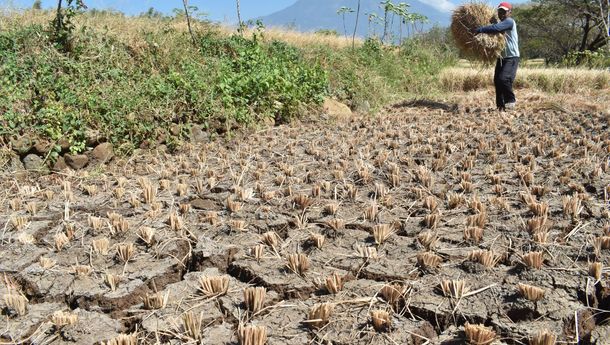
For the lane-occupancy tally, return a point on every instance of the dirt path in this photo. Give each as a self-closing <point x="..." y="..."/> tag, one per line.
<point x="432" y="213"/>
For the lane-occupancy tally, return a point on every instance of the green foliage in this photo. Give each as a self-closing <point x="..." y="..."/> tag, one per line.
<point x="155" y="85"/>
<point x="374" y="74"/>
<point x="557" y="29"/>
<point x="37" y="5"/>
<point x="268" y="80"/>
<point x="63" y="26"/>
<point x="133" y="95"/>
<point x="587" y="58"/>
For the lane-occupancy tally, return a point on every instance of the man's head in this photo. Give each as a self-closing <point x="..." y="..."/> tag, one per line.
<point x="504" y="10"/>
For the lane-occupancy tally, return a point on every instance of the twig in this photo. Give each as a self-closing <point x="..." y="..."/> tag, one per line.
<point x="472" y="293"/>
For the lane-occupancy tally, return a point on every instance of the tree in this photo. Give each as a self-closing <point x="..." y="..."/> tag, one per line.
<point x="240" y="24"/>
<point x="151" y="13"/>
<point x="37" y="5"/>
<point x="62" y="25"/>
<point x="188" y="20"/>
<point x="552" y="29"/>
<point x="342" y="11"/>
<point x="388" y="7"/>
<point x="356" y="25"/>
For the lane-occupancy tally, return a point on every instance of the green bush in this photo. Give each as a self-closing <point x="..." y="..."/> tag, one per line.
<point x="135" y="91"/>
<point x="134" y="96"/>
<point x="268" y="80"/>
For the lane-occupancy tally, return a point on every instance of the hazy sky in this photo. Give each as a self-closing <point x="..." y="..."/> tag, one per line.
<point x="218" y="10"/>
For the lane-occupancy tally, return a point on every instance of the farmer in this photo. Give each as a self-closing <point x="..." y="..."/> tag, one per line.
<point x="506" y="66"/>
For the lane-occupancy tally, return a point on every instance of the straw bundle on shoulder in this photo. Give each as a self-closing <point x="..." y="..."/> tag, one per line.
<point x="465" y="20"/>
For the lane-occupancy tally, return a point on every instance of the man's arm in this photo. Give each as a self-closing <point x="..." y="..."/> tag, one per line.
<point x="505" y="25"/>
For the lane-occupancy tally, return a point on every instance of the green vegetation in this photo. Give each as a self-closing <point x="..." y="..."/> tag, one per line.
<point x="149" y="83"/>
<point x="568" y="32"/>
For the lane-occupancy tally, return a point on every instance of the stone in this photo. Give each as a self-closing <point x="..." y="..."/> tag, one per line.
<point x="204" y="204"/>
<point x="23" y="144"/>
<point x="60" y="164"/>
<point x="93" y="137"/>
<point x="64" y="144"/>
<point x="42" y="147"/>
<point x="76" y="162"/>
<point x="10" y="163"/>
<point x="209" y="253"/>
<point x="336" y="109"/>
<point x="174" y="129"/>
<point x="34" y="162"/>
<point x="103" y="152"/>
<point x="198" y="135"/>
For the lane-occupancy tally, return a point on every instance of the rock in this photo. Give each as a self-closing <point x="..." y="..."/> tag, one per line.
<point x="93" y="137"/>
<point x="103" y="152"/>
<point x="60" y="164"/>
<point x="22" y="144"/>
<point x="76" y="162"/>
<point x="33" y="162"/>
<point x="10" y="162"/>
<point x="335" y="109"/>
<point x="64" y="144"/>
<point x="209" y="253"/>
<point x="198" y="135"/>
<point x="204" y="204"/>
<point x="174" y="129"/>
<point x="43" y="147"/>
<point x="90" y="328"/>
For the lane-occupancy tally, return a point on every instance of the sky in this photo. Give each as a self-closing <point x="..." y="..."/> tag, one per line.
<point x="217" y="10"/>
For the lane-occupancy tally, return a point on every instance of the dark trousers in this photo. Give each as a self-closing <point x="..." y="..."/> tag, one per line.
<point x="504" y="76"/>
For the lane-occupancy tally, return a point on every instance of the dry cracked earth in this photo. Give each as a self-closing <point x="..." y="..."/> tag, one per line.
<point x="429" y="223"/>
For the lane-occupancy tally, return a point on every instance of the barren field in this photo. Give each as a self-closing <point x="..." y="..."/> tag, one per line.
<point x="410" y="227"/>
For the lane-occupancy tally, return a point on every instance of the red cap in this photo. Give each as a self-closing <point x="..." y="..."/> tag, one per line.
<point x="505" y="6"/>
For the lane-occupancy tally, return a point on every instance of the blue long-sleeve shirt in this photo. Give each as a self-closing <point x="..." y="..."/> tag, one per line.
<point x="509" y="28"/>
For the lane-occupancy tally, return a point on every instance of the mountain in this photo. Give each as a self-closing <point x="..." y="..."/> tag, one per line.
<point x="313" y="15"/>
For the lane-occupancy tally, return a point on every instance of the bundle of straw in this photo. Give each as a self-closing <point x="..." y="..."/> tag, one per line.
<point x="465" y="20"/>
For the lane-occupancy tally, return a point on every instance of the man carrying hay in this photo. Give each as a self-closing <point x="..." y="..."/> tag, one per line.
<point x="506" y="65"/>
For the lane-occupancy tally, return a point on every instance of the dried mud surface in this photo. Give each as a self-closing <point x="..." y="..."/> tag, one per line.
<point x="418" y="169"/>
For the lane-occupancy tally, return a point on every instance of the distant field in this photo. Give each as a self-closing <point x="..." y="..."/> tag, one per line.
<point x="468" y="78"/>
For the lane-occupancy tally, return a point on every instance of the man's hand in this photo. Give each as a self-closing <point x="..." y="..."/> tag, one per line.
<point x="474" y="31"/>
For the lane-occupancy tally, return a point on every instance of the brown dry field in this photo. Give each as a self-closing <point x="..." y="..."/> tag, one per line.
<point x="379" y="214"/>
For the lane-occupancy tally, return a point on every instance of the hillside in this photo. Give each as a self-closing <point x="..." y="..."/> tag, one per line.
<point x="312" y="15"/>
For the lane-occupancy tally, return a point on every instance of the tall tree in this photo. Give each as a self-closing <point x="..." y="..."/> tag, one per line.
<point x="240" y="24"/>
<point x="356" y="25"/>
<point x="342" y="11"/>
<point x="552" y="29"/>
<point x="188" y="20"/>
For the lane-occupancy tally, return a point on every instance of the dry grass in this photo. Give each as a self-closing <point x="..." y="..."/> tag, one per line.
<point x="61" y="319"/>
<point x="334" y="283"/>
<point x="381" y="320"/>
<point x="123" y="339"/>
<point x="254" y="298"/>
<point x="16" y="302"/>
<point x="464" y="20"/>
<point x="543" y="337"/>
<point x="530" y="292"/>
<point x="428" y="261"/>
<point x="454" y="288"/>
<point x="191" y="324"/>
<point x="533" y="260"/>
<point x="563" y="80"/>
<point x="319" y="315"/>
<point x="214" y="286"/>
<point x="252" y="335"/>
<point x="479" y="334"/>
<point x="129" y="29"/>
